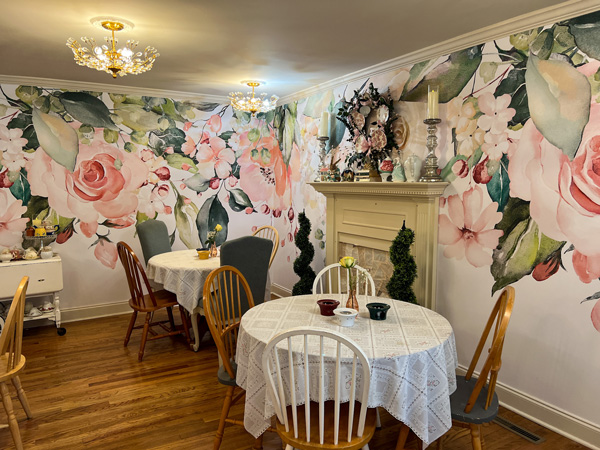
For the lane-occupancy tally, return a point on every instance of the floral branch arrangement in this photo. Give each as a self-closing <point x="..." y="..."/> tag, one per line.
<point x="375" y="128"/>
<point x="212" y="235"/>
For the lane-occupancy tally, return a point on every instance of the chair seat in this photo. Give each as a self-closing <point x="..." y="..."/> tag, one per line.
<point x="459" y="399"/>
<point x="5" y="374"/>
<point x="355" y="443"/>
<point x="164" y="299"/>
<point x="224" y="377"/>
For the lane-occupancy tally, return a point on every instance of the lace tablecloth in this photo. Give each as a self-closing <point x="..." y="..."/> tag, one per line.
<point x="412" y="355"/>
<point x="182" y="273"/>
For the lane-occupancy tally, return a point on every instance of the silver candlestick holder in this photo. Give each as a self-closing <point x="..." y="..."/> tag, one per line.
<point x="323" y="167"/>
<point x="431" y="167"/>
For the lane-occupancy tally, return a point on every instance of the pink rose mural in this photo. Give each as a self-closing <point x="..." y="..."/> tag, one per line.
<point x="12" y="224"/>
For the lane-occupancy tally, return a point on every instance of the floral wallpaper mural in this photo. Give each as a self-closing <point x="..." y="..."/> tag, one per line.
<point x="95" y="163"/>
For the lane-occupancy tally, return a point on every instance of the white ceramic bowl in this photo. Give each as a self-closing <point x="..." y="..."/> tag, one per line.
<point x="346" y="316"/>
<point x="46" y="255"/>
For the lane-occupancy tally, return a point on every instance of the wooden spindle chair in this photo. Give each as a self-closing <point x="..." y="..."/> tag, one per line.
<point x="271" y="233"/>
<point x="223" y="308"/>
<point x="330" y="280"/>
<point x="318" y="424"/>
<point x="12" y="362"/>
<point x="148" y="302"/>
<point x="475" y="402"/>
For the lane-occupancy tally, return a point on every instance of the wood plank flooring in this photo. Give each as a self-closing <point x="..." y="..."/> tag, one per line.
<point x="87" y="391"/>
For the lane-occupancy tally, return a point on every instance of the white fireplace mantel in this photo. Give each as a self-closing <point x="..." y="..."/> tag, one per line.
<point x="371" y="214"/>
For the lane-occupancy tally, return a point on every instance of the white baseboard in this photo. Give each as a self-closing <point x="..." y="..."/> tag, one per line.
<point x="549" y="416"/>
<point x="280" y="291"/>
<point x="94" y="312"/>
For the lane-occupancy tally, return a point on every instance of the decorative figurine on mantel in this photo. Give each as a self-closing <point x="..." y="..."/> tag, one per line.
<point x="431" y="167"/>
<point x="323" y="173"/>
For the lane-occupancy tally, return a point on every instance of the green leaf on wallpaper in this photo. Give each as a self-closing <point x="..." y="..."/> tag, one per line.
<point x="134" y="116"/>
<point x="514" y="85"/>
<point x="253" y="135"/>
<point x="203" y="106"/>
<point x="542" y="45"/>
<point x="24" y="122"/>
<point x="177" y="161"/>
<point x="28" y="93"/>
<point x="289" y="131"/>
<point x="212" y="213"/>
<point x="416" y="74"/>
<point x="499" y="185"/>
<point x="130" y="147"/>
<point x="168" y="109"/>
<point x="87" y="109"/>
<point x="20" y="188"/>
<point x="36" y="206"/>
<point x="521" y="247"/>
<point x="452" y="75"/>
<point x="159" y="140"/>
<point x="559" y="102"/>
<point x="185" y="221"/>
<point x="586" y="31"/>
<point x="318" y="103"/>
<point x="197" y="183"/>
<point x="487" y="71"/>
<point x="57" y="138"/>
<point x="239" y="200"/>
<point x="338" y="129"/>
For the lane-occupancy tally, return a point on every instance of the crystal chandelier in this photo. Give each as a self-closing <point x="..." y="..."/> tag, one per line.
<point x="109" y="58"/>
<point x="249" y="102"/>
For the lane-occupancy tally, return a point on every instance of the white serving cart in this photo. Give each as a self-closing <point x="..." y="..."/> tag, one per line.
<point x="45" y="279"/>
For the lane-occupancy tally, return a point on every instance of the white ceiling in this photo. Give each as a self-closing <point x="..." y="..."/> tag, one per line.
<point x="208" y="47"/>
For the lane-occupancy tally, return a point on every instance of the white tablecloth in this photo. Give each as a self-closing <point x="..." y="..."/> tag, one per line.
<point x="182" y="273"/>
<point x="412" y="355"/>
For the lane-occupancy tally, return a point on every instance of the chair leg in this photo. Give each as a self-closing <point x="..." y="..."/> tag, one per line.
<point x="171" y="321"/>
<point x="12" y="419"/>
<point x="144" y="336"/>
<point x="130" y="327"/>
<point x="476" y="436"/>
<point x="186" y="324"/>
<point x="224" y="414"/>
<point x="22" y="397"/>
<point x="404" y="430"/>
<point x="377" y="419"/>
<point x="258" y="444"/>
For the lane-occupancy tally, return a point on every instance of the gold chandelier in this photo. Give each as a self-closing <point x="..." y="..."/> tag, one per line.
<point x="109" y="58"/>
<point x="249" y="102"/>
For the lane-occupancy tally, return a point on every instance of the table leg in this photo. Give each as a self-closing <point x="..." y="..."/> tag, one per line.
<point x="199" y="332"/>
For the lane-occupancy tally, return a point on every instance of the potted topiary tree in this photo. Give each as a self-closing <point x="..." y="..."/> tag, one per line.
<point x="405" y="269"/>
<point x="302" y="263"/>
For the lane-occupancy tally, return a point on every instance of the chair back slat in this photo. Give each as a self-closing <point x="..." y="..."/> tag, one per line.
<point x="11" y="338"/>
<point x="271" y="233"/>
<point x="334" y="274"/>
<point x="498" y="320"/>
<point x="283" y="392"/>
<point x="136" y="276"/>
<point x="222" y="303"/>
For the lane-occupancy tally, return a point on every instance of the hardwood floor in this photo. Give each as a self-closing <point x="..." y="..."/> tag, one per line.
<point x="87" y="391"/>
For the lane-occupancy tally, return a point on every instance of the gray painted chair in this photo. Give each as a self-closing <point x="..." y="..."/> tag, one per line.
<point x="251" y="256"/>
<point x="154" y="238"/>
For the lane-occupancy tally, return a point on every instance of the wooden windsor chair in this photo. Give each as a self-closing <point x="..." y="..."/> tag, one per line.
<point x="318" y="424"/>
<point x="148" y="303"/>
<point x="271" y="233"/>
<point x="12" y="362"/>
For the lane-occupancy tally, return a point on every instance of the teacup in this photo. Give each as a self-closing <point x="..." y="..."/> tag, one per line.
<point x="51" y="229"/>
<point x="346" y="316"/>
<point x="40" y="231"/>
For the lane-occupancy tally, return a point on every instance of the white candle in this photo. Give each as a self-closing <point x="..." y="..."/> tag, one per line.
<point x="432" y="102"/>
<point x="324" y="125"/>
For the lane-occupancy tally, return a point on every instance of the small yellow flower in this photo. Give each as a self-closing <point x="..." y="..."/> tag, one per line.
<point x="218" y="227"/>
<point x="347" y="262"/>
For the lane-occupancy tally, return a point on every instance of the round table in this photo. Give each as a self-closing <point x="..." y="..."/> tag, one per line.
<point x="184" y="274"/>
<point x="412" y="355"/>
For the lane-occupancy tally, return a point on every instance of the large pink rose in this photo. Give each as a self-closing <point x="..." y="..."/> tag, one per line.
<point x="564" y="195"/>
<point x="103" y="184"/>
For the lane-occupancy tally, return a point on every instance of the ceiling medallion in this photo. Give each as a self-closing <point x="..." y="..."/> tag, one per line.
<point x="249" y="102"/>
<point x="109" y="58"/>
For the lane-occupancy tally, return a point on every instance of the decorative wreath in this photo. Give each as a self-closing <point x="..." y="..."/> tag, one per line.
<point x="375" y="128"/>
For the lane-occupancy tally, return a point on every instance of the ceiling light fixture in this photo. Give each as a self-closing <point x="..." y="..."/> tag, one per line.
<point x="249" y="102"/>
<point x="109" y="58"/>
